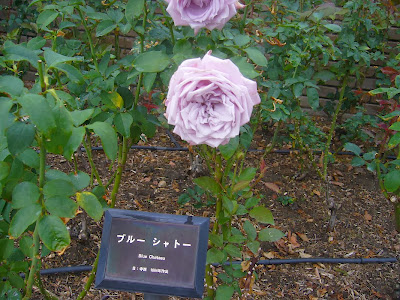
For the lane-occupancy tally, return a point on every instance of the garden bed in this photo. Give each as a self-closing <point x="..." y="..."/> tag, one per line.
<point x="153" y="181"/>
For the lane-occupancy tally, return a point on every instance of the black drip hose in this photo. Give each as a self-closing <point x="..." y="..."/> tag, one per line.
<point x="178" y="147"/>
<point x="376" y="260"/>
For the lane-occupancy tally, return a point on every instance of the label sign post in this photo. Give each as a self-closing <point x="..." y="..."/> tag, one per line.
<point x="153" y="253"/>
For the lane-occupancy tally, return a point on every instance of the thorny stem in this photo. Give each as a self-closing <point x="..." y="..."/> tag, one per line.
<point x="48" y="295"/>
<point x="333" y="126"/>
<point x="88" y="150"/>
<point x="243" y="24"/>
<point x="91" y="277"/>
<point x="141" y="36"/>
<point x="122" y="157"/>
<point x="167" y="20"/>
<point x="34" y="270"/>
<point x="273" y="141"/>
<point x="120" y="169"/>
<point x="89" y="37"/>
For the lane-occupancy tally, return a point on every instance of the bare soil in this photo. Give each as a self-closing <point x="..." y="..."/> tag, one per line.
<point x="364" y="227"/>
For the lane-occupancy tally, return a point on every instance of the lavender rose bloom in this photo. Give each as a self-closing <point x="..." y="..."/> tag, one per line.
<point x="202" y="13"/>
<point x="208" y="100"/>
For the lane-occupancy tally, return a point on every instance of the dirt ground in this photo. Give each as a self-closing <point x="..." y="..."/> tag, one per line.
<point x="364" y="227"/>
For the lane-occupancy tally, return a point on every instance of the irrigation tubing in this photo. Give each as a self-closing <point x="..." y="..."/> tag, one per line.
<point x="290" y="261"/>
<point x="178" y="147"/>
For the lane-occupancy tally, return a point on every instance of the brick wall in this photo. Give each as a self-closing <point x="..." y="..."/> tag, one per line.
<point x="325" y="92"/>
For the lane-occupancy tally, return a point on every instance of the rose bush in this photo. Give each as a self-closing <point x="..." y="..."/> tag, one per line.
<point x="208" y="100"/>
<point x="202" y="13"/>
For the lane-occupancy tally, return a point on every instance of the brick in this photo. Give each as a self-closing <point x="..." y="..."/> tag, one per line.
<point x="394" y="33"/>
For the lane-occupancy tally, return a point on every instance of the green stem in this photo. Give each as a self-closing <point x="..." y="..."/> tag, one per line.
<point x="89" y="37"/>
<point x="209" y="282"/>
<point x="34" y="270"/>
<point x="120" y="169"/>
<point x="167" y="20"/>
<point x="41" y="76"/>
<point x="333" y="126"/>
<point x="137" y="94"/>
<point x="243" y="23"/>
<point x="273" y="141"/>
<point x="90" y="158"/>
<point x="91" y="278"/>
<point x="121" y="165"/>
<point x="116" y="44"/>
<point x="47" y="295"/>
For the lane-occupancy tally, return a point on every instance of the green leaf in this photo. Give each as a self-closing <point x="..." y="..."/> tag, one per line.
<point x="250" y="230"/>
<point x="248" y="174"/>
<point x="108" y="138"/>
<point x="58" y="187"/>
<point x="11" y="85"/>
<point x="61" y="206"/>
<point x="30" y="158"/>
<point x="241" y="40"/>
<point x="6" y="248"/>
<point x="148" y="81"/>
<point x="23" y="218"/>
<point x="324" y="75"/>
<point x="209" y="184"/>
<point x="369" y="155"/>
<point x="228" y="204"/>
<point x="241" y="185"/>
<point x="90" y="204"/>
<point x="116" y="99"/>
<point x="233" y="251"/>
<point x="46" y="17"/>
<point x="353" y="148"/>
<point x="224" y="292"/>
<point x="229" y="149"/>
<point x="74" y="142"/>
<point x="245" y="68"/>
<point x="395" y="126"/>
<point x="392" y="181"/>
<point x="133" y="10"/>
<point x="253" y="246"/>
<point x="80" y="180"/>
<point x="270" y="235"/>
<point x="151" y="61"/>
<point x="19" y="137"/>
<point x="81" y="116"/>
<point x="73" y="73"/>
<point x="252" y="202"/>
<point x="357" y="161"/>
<point x="333" y="27"/>
<point x="105" y="27"/>
<point x="16" y="280"/>
<point x="237" y="238"/>
<point x="215" y="256"/>
<point x="256" y="56"/>
<point x="216" y="239"/>
<point x="53" y="233"/>
<point x="26" y="246"/>
<point x="19" y="52"/>
<point x="123" y="123"/>
<point x="126" y="95"/>
<point x="4" y="170"/>
<point x="39" y="112"/>
<point x="53" y="58"/>
<point x="262" y="215"/>
<point x="24" y="194"/>
<point x="36" y="43"/>
<point x="394" y="140"/>
<point x="313" y="98"/>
